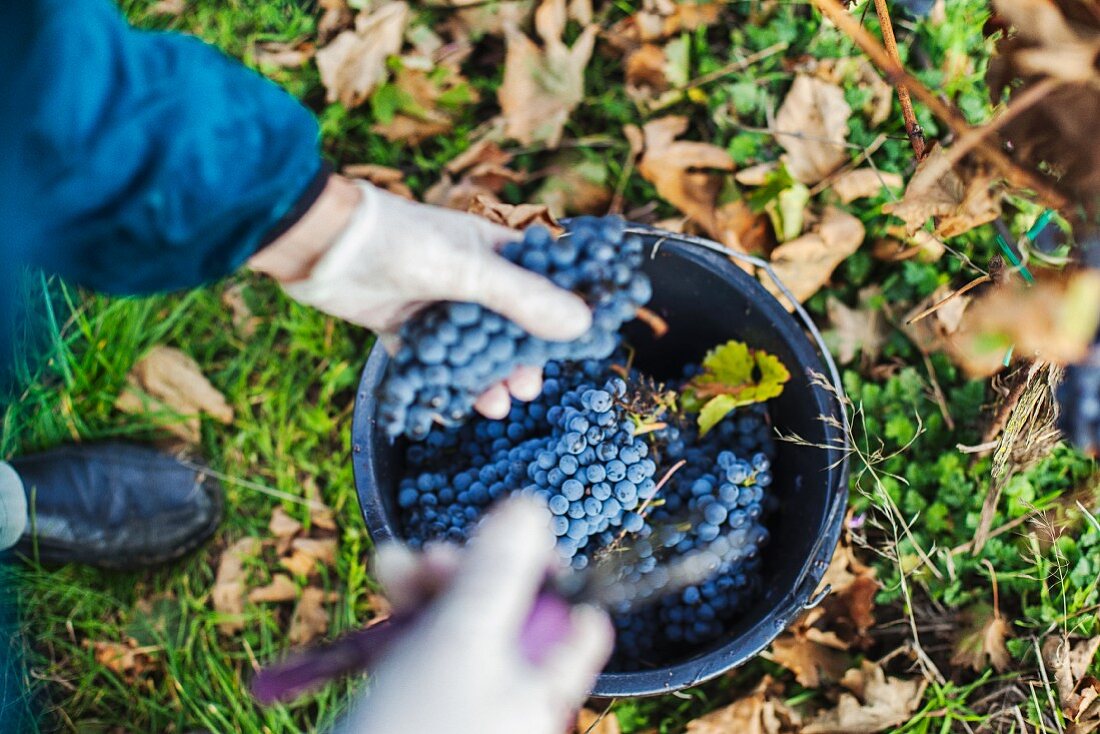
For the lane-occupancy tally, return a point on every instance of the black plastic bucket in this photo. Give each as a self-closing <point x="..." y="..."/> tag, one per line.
<point x="706" y="300"/>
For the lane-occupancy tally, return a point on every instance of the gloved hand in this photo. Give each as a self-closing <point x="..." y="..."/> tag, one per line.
<point x="460" y="670"/>
<point x="395" y="256"/>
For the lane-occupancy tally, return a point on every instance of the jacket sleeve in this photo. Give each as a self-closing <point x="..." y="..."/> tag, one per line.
<point x="149" y="161"/>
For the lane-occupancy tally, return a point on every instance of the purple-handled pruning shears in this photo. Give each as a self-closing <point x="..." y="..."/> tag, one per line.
<point x="545" y="627"/>
<point x="608" y="583"/>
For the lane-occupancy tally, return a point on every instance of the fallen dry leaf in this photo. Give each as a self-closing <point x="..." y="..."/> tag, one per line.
<point x="354" y="63"/>
<point x="284" y="528"/>
<point x="960" y="198"/>
<point x="853" y="72"/>
<point x="516" y="216"/>
<point x="864" y="182"/>
<point x="646" y="71"/>
<point x="859" y="330"/>
<point x="658" y="20"/>
<point x="760" y="712"/>
<point x="481" y="171"/>
<point x="426" y="109"/>
<point x="281" y="588"/>
<point x="310" y="620"/>
<point x="812" y="661"/>
<point x="983" y="642"/>
<point x="323" y="549"/>
<point x="756" y="175"/>
<point x="320" y="515"/>
<point x="879" y="702"/>
<point x="591" y="722"/>
<point x="1053" y="320"/>
<point x="168" y="378"/>
<point x="390" y="179"/>
<point x="299" y="563"/>
<point x="683" y="171"/>
<point x="1053" y="42"/>
<point x="336" y="17"/>
<point x="1069" y="662"/>
<point x="168" y="7"/>
<point x="805" y="264"/>
<point x="542" y="86"/>
<point x="124" y="659"/>
<point x="477" y="18"/>
<point x="244" y="321"/>
<point x="283" y="54"/>
<point x="229" y="584"/>
<point x="574" y="185"/>
<point x="812" y="127"/>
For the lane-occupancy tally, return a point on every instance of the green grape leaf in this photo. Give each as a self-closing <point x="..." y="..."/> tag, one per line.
<point x="733" y="376"/>
<point x="715" y="410"/>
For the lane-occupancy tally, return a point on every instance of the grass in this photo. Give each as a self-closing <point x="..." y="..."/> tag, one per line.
<point x="292" y="386"/>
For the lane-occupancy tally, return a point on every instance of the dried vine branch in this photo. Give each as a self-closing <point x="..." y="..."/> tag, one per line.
<point x="896" y="74"/>
<point x="912" y="128"/>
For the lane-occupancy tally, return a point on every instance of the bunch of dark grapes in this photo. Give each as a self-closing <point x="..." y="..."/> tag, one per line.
<point x="593" y="473"/>
<point x="1079" y="402"/>
<point x="452" y="352"/>
<point x="575" y="448"/>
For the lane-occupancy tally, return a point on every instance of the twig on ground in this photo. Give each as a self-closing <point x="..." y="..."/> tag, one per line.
<point x="912" y="127"/>
<point x="947" y="299"/>
<point x="896" y="74"/>
<point x="736" y="66"/>
<point x="1027" y="98"/>
<point x="864" y="155"/>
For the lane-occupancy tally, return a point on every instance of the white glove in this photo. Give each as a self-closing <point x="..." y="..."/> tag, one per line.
<point x="396" y="256"/>
<point x="460" y="670"/>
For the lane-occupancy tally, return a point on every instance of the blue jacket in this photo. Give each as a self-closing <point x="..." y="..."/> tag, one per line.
<point x="135" y="162"/>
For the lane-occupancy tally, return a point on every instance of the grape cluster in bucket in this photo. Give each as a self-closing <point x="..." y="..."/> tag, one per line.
<point x="595" y="447"/>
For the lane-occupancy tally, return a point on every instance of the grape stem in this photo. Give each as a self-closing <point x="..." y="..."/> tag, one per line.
<point x="641" y="510"/>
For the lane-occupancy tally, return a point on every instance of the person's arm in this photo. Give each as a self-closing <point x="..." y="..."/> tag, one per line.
<point x="147" y="161"/>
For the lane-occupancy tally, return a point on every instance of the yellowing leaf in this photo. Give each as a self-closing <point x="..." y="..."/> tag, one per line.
<point x="733" y="376"/>
<point x="354" y="63"/>
<point x="812" y="126"/>
<point x="542" y="86"/>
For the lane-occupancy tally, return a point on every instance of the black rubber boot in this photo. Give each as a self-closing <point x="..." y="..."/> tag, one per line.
<point x="115" y="505"/>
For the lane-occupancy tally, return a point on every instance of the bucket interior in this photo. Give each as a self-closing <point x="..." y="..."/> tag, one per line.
<point x="706" y="300"/>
